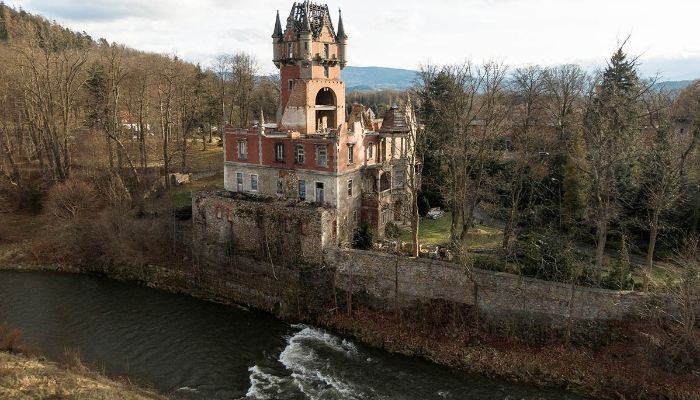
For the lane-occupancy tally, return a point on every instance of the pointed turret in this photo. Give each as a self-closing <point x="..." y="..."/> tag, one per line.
<point x="342" y="41"/>
<point x="341" y="29"/>
<point x="277" y="34"/>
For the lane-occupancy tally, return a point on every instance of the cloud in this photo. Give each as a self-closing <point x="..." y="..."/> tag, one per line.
<point x="97" y="10"/>
<point x="406" y="33"/>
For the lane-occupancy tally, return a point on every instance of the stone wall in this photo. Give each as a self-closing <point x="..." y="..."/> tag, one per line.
<point x="373" y="277"/>
<point x="278" y="232"/>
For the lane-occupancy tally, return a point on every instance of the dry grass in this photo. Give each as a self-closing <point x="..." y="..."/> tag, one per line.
<point x="23" y="377"/>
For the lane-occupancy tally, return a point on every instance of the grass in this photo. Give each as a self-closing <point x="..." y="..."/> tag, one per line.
<point x="437" y="232"/>
<point x="25" y="377"/>
<point x="200" y="161"/>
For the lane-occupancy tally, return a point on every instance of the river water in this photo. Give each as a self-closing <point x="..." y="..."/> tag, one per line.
<point x="192" y="349"/>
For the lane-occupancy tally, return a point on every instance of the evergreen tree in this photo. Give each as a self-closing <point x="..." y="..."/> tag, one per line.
<point x="611" y="127"/>
<point x="620" y="276"/>
<point x="575" y="184"/>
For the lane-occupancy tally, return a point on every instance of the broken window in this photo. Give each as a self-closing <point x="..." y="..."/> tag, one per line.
<point x="319" y="192"/>
<point x="239" y="181"/>
<point x="300" y="155"/>
<point x="321" y="156"/>
<point x="242" y="150"/>
<point x="253" y="182"/>
<point x="279" y="152"/>
<point x="302" y="190"/>
<point x="351" y="154"/>
<point x="280" y="185"/>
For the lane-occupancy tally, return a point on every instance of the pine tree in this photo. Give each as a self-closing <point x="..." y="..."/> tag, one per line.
<point x="611" y="128"/>
<point x="620" y="276"/>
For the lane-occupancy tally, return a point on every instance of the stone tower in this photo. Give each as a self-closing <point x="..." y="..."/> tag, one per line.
<point x="310" y="55"/>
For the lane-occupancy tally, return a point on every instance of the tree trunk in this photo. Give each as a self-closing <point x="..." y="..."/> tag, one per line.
<point x="601" y="237"/>
<point x="653" y="232"/>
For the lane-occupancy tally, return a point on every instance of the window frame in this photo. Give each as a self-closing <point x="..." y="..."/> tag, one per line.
<point x="349" y="187"/>
<point x="279" y="152"/>
<point x="300" y="154"/>
<point x="326" y="51"/>
<point x="370" y="151"/>
<point x="351" y="154"/>
<point x="240" y="182"/>
<point x="242" y="145"/>
<point x="323" y="192"/>
<point x="280" y="186"/>
<point x="254" y="179"/>
<point x="301" y="193"/>
<point x="326" y="72"/>
<point x="324" y="148"/>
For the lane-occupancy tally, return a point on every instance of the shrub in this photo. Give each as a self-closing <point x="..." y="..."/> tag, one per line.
<point x="392" y="231"/>
<point x="9" y="339"/>
<point x="68" y="200"/>
<point x="620" y="275"/>
<point x="363" y="238"/>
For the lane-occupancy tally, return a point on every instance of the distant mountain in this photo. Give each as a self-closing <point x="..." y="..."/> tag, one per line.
<point x="376" y="78"/>
<point x="673" y="85"/>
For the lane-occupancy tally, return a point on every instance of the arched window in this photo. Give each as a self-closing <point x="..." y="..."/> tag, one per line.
<point x="326" y="108"/>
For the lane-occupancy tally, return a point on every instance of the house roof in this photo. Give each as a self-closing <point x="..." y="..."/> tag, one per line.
<point x="395" y="121"/>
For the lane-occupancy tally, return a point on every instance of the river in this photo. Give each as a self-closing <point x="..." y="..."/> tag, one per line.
<point x="193" y="349"/>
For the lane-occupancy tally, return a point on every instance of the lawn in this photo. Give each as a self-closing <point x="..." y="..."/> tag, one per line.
<point x="437" y="232"/>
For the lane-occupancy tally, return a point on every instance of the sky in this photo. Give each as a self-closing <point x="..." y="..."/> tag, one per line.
<point x="407" y="33"/>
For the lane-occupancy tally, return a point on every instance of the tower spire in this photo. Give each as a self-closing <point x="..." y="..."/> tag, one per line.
<point x="278" y="27"/>
<point x="341" y="28"/>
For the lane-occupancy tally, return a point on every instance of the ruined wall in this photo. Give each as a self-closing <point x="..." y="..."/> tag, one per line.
<point x="372" y="277"/>
<point x="226" y="225"/>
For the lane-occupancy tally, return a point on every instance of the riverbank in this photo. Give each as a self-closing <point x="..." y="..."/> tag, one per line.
<point x="621" y="368"/>
<point x="31" y="378"/>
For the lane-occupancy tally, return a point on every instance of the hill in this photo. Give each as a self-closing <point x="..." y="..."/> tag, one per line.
<point x="377" y="78"/>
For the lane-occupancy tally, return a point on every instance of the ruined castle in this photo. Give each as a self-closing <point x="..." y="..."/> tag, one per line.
<point x="317" y="152"/>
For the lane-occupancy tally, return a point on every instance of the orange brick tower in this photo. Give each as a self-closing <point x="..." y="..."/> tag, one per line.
<point x="310" y="55"/>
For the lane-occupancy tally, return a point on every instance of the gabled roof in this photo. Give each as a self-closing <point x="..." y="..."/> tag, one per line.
<point x="307" y="15"/>
<point x="395" y="121"/>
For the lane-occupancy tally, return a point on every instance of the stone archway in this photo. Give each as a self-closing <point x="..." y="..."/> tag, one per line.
<point x="326" y="105"/>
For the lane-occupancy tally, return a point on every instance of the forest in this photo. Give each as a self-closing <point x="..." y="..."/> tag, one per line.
<point x="567" y="160"/>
